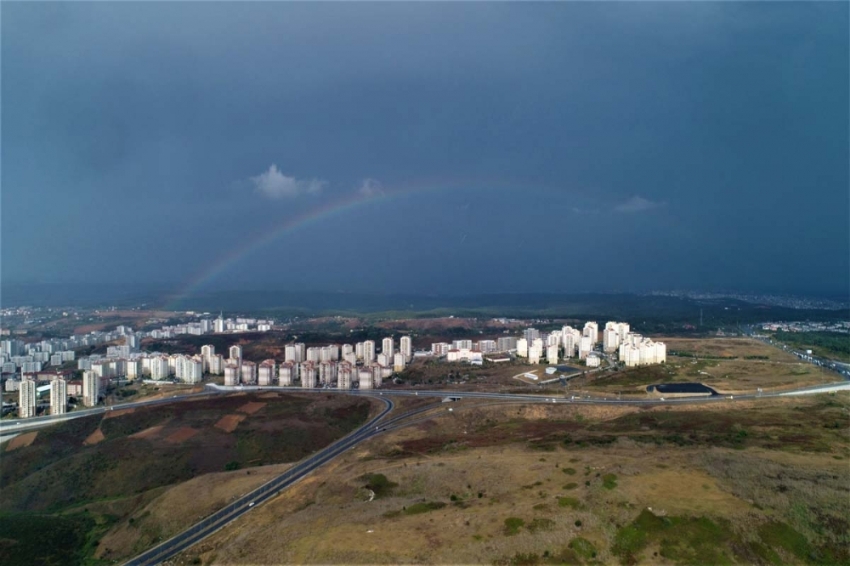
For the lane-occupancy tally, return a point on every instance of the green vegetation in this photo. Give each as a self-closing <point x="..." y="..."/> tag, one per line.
<point x="609" y="481"/>
<point x="570" y="502"/>
<point x="778" y="534"/>
<point x="379" y="484"/>
<point x="571" y="485"/>
<point x="27" y="539"/>
<point x="827" y="344"/>
<point x="569" y="471"/>
<point x="423" y="507"/>
<point x="540" y="524"/>
<point x="690" y="540"/>
<point x="583" y="548"/>
<point x="513" y="525"/>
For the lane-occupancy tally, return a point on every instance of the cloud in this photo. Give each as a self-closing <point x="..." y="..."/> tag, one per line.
<point x="370" y="188"/>
<point x="638" y="204"/>
<point x="275" y="185"/>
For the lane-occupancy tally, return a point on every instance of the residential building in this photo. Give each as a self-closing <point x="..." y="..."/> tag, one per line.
<point x="368" y="351"/>
<point x="406" y="348"/>
<point x="91" y="388"/>
<point x="249" y="373"/>
<point x="398" y="361"/>
<point x="231" y="374"/>
<point x="388" y="347"/>
<point x="27" y="399"/>
<point x="58" y="396"/>
<point x="266" y="373"/>
<point x="286" y="373"/>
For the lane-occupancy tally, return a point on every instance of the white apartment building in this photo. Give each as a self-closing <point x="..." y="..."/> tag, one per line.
<point x="327" y="372"/>
<point x="388" y="347"/>
<point x="398" y="361"/>
<point x="522" y="348"/>
<point x="159" y="368"/>
<point x="585" y="347"/>
<point x="314" y="354"/>
<point x="58" y="396"/>
<point x="235" y="353"/>
<point x="249" y="373"/>
<point x="591" y="330"/>
<point x="406" y="348"/>
<point x="440" y="348"/>
<point x="506" y="344"/>
<point x="286" y="373"/>
<point x="216" y="365"/>
<point x="462" y="344"/>
<point x="193" y="370"/>
<point x="207" y="353"/>
<point x="368" y="351"/>
<point x="593" y="360"/>
<point x="308" y="374"/>
<point x="289" y="353"/>
<point x="552" y="354"/>
<point x="266" y="373"/>
<point x="364" y="378"/>
<point x="535" y="352"/>
<point x="91" y="388"/>
<point x="487" y="346"/>
<point x="385" y="360"/>
<point x="134" y="368"/>
<point x="231" y="374"/>
<point x="27" y="398"/>
<point x="344" y="375"/>
<point x="637" y="350"/>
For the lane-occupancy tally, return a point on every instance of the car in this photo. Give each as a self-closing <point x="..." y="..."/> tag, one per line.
<point x="662" y="398"/>
<point x="251" y="504"/>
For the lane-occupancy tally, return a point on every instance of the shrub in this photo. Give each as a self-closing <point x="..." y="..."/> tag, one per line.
<point x="513" y="525"/>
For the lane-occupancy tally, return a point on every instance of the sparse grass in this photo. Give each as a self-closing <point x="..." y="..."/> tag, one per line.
<point x="423" y="507"/>
<point x="513" y="525"/>
<point x="569" y="471"/>
<point x="583" y="548"/>
<point x="609" y="481"/>
<point x="379" y="484"/>
<point x="692" y="540"/>
<point x="540" y="524"/>
<point x="27" y="539"/>
<point x="571" y="485"/>
<point x="570" y="502"/>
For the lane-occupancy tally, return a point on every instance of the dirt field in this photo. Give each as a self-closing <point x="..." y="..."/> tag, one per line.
<point x="181" y="435"/>
<point x="228" y="423"/>
<point x="251" y="408"/>
<point x="494" y="490"/>
<point x="151" y="432"/>
<point x="94" y="438"/>
<point x="118" y="413"/>
<point x="21" y="441"/>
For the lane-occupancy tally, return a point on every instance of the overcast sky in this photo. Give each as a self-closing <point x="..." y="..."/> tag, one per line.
<point x="538" y="147"/>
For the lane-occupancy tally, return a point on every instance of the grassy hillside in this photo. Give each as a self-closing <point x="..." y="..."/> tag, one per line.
<point x="739" y="483"/>
<point x="80" y="478"/>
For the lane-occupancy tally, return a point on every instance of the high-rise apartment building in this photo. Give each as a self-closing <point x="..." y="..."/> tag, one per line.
<point x="27" y="400"/>
<point x="388" y="347"/>
<point x="406" y="348"/>
<point x="91" y="388"/>
<point x="58" y="396"/>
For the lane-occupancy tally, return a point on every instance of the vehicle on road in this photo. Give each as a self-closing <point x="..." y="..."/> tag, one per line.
<point x="251" y="504"/>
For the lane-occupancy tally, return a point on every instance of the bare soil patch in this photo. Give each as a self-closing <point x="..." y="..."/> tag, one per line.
<point x="118" y="413"/>
<point x="21" y="440"/>
<point x="148" y="432"/>
<point x="94" y="438"/>
<point x="251" y="408"/>
<point x="228" y="423"/>
<point x="181" y="435"/>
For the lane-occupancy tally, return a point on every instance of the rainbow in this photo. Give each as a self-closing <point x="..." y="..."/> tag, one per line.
<point x="329" y="210"/>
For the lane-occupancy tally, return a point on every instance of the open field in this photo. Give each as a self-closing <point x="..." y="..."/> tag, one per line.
<point x="109" y="467"/>
<point x="540" y="484"/>
<point x="730" y="365"/>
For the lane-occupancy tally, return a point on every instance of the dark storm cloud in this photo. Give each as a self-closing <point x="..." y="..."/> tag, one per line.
<point x="655" y="145"/>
